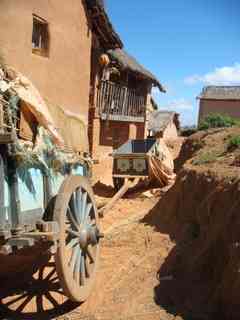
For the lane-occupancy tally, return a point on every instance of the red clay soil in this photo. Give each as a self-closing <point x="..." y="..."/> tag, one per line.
<point x="201" y="214"/>
<point x="171" y="257"/>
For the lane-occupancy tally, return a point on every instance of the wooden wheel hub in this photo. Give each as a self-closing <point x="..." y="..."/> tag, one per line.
<point x="87" y="235"/>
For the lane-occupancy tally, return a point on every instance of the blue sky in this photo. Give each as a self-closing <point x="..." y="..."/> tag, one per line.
<point x="186" y="44"/>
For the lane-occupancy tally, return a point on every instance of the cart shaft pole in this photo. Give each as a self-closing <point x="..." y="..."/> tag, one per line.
<point x="2" y="194"/>
<point x="128" y="184"/>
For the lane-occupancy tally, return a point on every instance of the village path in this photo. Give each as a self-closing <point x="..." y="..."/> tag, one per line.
<point x="132" y="253"/>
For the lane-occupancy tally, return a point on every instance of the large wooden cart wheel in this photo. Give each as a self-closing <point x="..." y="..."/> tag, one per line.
<point x="78" y="249"/>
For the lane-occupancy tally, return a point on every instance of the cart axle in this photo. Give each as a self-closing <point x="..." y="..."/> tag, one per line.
<point x="87" y="235"/>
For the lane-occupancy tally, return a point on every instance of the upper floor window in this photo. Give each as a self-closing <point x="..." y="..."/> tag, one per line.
<point x="40" y="36"/>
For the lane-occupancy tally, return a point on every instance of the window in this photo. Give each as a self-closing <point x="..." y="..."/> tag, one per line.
<point x="40" y="37"/>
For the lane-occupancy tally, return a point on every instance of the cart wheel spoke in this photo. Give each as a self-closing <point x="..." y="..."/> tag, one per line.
<point x="84" y="204"/>
<point x="87" y="212"/>
<point x="73" y="258"/>
<point x="72" y="233"/>
<point x="73" y="208"/>
<point x="77" y="266"/>
<point x="90" y="255"/>
<point x="72" y="219"/>
<point x="72" y="243"/>
<point x="78" y="201"/>
<point x="86" y="267"/>
<point x="77" y="256"/>
<point x="82" y="271"/>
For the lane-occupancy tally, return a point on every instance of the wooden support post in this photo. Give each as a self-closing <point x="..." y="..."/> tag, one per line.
<point x="16" y="218"/>
<point x="2" y="195"/>
<point x="128" y="184"/>
<point x="47" y="190"/>
<point x="1" y="119"/>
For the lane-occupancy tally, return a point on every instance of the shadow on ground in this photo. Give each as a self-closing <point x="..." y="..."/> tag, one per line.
<point x="108" y="191"/>
<point x="103" y="190"/>
<point x="179" y="291"/>
<point x="35" y="295"/>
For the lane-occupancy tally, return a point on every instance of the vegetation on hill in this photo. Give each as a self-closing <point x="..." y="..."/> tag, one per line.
<point x="217" y="121"/>
<point x="234" y="142"/>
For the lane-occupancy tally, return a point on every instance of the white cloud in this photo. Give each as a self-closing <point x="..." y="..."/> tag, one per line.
<point x="186" y="109"/>
<point x="178" y="105"/>
<point x="220" y="76"/>
<point x="156" y="92"/>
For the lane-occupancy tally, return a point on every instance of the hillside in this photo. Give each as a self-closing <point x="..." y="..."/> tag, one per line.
<point x="201" y="214"/>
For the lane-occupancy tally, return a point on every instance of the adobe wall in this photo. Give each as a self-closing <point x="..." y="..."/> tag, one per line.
<point x="170" y="132"/>
<point x="64" y="77"/>
<point x="228" y="107"/>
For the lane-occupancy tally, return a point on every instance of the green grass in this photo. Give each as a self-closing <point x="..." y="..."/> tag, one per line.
<point x="205" y="158"/>
<point x="233" y="143"/>
<point x="217" y="121"/>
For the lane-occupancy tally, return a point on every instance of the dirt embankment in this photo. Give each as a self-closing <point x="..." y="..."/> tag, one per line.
<point x="202" y="215"/>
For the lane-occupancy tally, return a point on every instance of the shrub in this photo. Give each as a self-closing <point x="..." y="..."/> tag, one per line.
<point x="217" y="121"/>
<point x="234" y="143"/>
<point x="205" y="158"/>
<point x="188" y="131"/>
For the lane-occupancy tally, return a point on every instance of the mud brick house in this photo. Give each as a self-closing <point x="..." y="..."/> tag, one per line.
<point x="121" y="93"/>
<point x="164" y="124"/>
<point x="50" y="43"/>
<point x="75" y="58"/>
<point x="219" y="99"/>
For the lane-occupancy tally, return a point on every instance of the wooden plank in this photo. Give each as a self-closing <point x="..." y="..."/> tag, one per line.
<point x="117" y="102"/>
<point x="1" y="118"/>
<point x="6" y="138"/>
<point x="128" y="184"/>
<point x="2" y="194"/>
<point x="28" y="124"/>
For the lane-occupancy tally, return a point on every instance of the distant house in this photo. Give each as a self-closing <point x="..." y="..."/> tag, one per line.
<point x="164" y="124"/>
<point x="219" y="99"/>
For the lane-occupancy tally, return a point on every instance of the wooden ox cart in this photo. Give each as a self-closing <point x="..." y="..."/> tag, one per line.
<point x="42" y="205"/>
<point x="130" y="161"/>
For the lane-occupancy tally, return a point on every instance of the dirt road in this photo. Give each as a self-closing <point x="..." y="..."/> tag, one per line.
<point x="131" y="255"/>
<point x="132" y="252"/>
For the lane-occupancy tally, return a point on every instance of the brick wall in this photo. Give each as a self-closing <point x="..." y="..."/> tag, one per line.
<point x="171" y="131"/>
<point x="228" y="107"/>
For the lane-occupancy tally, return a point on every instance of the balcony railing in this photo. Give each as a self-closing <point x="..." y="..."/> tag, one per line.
<point x="119" y="103"/>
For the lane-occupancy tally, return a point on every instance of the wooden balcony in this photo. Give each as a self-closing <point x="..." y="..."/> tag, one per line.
<point x="119" y="103"/>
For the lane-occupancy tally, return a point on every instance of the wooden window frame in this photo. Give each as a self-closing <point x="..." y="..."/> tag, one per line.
<point x="40" y="37"/>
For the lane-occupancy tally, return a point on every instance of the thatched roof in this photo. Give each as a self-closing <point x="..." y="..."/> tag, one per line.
<point x="101" y="25"/>
<point x="154" y="103"/>
<point x="220" y="93"/>
<point x="127" y="62"/>
<point x="159" y="120"/>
